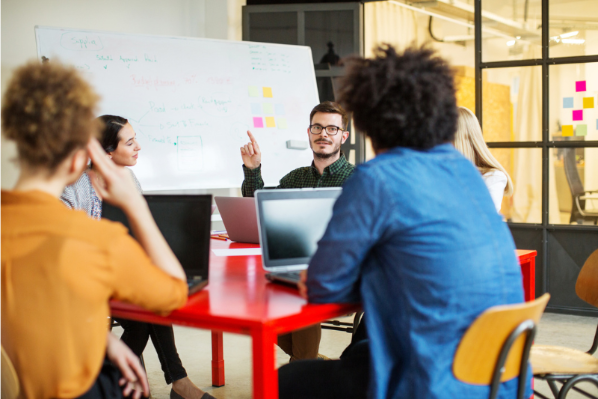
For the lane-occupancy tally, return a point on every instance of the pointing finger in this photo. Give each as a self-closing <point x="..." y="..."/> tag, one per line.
<point x="251" y="137"/>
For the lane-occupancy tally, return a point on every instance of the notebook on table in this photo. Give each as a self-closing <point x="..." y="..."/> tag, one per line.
<point x="238" y="216"/>
<point x="291" y="222"/>
<point x="184" y="221"/>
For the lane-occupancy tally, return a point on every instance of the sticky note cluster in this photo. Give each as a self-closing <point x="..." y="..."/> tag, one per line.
<point x="583" y="103"/>
<point x="268" y="109"/>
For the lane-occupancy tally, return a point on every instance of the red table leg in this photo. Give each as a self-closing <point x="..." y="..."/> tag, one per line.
<point x="265" y="376"/>
<point x="217" y="359"/>
<point x="528" y="270"/>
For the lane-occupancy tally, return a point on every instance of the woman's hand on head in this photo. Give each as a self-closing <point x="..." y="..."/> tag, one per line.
<point x="112" y="183"/>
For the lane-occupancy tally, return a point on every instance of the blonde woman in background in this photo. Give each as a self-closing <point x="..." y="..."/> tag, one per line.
<point x="470" y="142"/>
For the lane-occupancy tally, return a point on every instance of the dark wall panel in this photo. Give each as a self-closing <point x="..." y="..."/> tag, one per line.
<point x="567" y="252"/>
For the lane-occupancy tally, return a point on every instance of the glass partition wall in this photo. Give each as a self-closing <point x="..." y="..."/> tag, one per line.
<point x="545" y="54"/>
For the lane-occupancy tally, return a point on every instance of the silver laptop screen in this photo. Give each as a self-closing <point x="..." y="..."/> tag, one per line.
<point x="292" y="223"/>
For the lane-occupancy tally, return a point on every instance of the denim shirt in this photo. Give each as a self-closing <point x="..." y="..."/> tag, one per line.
<point x="416" y="238"/>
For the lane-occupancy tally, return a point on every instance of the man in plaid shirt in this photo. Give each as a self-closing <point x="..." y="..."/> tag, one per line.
<point x="329" y="168"/>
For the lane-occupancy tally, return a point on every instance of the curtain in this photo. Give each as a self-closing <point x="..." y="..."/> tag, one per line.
<point x="527" y="196"/>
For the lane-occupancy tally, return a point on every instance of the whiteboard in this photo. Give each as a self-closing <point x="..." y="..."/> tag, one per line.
<point x="191" y="101"/>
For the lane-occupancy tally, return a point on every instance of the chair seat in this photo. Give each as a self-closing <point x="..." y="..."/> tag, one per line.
<point x="548" y="359"/>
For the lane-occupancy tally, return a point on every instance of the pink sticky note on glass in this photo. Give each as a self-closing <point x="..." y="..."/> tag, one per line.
<point x="580" y="85"/>
<point x="259" y="122"/>
<point x="578" y="115"/>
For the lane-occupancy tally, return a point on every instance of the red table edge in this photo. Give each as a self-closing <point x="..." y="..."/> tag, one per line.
<point x="231" y="325"/>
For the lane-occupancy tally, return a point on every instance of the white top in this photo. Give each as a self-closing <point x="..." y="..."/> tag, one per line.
<point x="496" y="181"/>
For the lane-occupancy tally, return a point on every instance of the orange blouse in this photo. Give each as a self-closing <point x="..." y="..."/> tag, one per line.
<point x="59" y="270"/>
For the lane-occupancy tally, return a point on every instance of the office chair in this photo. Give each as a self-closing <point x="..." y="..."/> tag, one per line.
<point x="578" y="194"/>
<point x="10" y="380"/>
<point x="569" y="366"/>
<point x="495" y="348"/>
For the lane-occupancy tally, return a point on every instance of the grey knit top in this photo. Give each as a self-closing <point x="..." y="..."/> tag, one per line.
<point x="81" y="195"/>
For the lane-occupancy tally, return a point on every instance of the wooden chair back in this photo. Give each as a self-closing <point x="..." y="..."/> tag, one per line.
<point x="587" y="281"/>
<point x="10" y="381"/>
<point x="480" y="347"/>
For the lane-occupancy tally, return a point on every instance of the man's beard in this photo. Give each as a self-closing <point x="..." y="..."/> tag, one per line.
<point x="318" y="155"/>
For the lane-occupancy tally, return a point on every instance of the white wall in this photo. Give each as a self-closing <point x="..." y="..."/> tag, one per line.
<point x="218" y="19"/>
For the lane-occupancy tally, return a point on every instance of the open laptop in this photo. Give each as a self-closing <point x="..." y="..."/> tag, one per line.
<point x="184" y="221"/>
<point x="291" y="222"/>
<point x="238" y="216"/>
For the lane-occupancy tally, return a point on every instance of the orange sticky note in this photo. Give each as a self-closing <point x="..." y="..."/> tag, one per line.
<point x="588" y="102"/>
<point x="567" y="130"/>
<point x="270" y="121"/>
<point x="267" y="92"/>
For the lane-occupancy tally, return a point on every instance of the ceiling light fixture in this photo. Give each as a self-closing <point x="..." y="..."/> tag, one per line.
<point x="511" y="43"/>
<point x="573" y="41"/>
<point x="569" y="34"/>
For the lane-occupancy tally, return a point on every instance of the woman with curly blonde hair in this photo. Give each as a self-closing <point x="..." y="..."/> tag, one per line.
<point x="59" y="267"/>
<point x="470" y="142"/>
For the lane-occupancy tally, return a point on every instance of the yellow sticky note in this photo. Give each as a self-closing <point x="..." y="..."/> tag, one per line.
<point x="267" y="92"/>
<point x="567" y="130"/>
<point x="588" y="102"/>
<point x="270" y="121"/>
<point x="282" y="123"/>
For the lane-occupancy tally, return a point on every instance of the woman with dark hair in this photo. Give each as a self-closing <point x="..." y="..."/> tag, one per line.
<point x="414" y="237"/>
<point x="119" y="142"/>
<point x="118" y="139"/>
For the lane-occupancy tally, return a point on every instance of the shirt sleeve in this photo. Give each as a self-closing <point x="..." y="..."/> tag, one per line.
<point x="138" y="281"/>
<point x="136" y="182"/>
<point x="253" y="181"/>
<point x="496" y="181"/>
<point x="359" y="220"/>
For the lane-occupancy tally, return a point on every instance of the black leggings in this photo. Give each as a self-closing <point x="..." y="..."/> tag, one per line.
<point x="136" y="336"/>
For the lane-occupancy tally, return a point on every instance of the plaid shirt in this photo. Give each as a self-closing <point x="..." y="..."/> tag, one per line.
<point x="308" y="176"/>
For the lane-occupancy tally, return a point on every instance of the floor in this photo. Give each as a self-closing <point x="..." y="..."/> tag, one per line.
<point x="195" y="351"/>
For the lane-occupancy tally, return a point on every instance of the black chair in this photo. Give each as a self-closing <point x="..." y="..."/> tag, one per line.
<point x="578" y="194"/>
<point x="342" y="326"/>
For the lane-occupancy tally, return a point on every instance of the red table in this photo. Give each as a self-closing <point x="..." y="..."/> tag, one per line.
<point x="240" y="300"/>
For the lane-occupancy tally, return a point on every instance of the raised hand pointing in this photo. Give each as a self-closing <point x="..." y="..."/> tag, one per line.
<point x="250" y="153"/>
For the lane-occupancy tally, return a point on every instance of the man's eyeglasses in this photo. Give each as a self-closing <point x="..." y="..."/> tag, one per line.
<point x="330" y="130"/>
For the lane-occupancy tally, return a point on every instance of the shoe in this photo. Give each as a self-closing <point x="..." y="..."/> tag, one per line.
<point x="174" y="395"/>
<point x="322" y="357"/>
